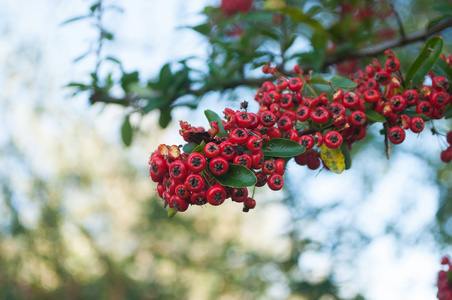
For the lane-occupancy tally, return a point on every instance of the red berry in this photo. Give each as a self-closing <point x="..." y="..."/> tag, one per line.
<point x="439" y="98"/>
<point x="332" y="139"/>
<point x="211" y="150"/>
<point x="318" y="139"/>
<point x="292" y="135"/>
<point x="287" y="101"/>
<point x="219" y="165"/>
<point x="194" y="182"/>
<point x="319" y="115"/>
<point x="417" y="124"/>
<point x="227" y="150"/>
<point x="182" y="191"/>
<point x="267" y="118"/>
<point x="249" y="203"/>
<point x="449" y="137"/>
<point x="424" y="107"/>
<point x="446" y="155"/>
<point x="392" y="64"/>
<point x="383" y="77"/>
<point x="397" y="103"/>
<point x="178" y="203"/>
<point x="350" y="100"/>
<point x="242" y="119"/>
<point x="238" y="136"/>
<point x="198" y="198"/>
<point x="371" y="96"/>
<point x="411" y="97"/>
<point x="178" y="170"/>
<point x="338" y="95"/>
<point x="216" y="195"/>
<point x="439" y="112"/>
<point x="396" y="135"/>
<point x="254" y="144"/>
<point x="281" y="84"/>
<point x="285" y="123"/>
<point x="303" y="113"/>
<point x="261" y="179"/>
<point x="358" y="118"/>
<point x="445" y="260"/>
<point x="275" y="181"/>
<point x="158" y="167"/>
<point x="238" y="194"/>
<point x="244" y="160"/>
<point x="295" y="84"/>
<point x="274" y="133"/>
<point x="306" y="141"/>
<point x="196" y="162"/>
<point x="336" y="109"/>
<point x="269" y="167"/>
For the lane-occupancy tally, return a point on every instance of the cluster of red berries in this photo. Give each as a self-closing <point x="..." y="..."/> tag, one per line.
<point x="444" y="282"/>
<point x="230" y="7"/>
<point x="446" y="155"/>
<point x="285" y="113"/>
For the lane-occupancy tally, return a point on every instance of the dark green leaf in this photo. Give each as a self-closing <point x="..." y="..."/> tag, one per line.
<point x="443" y="8"/>
<point x="449" y="112"/>
<point x="155" y="103"/>
<point x="189" y="147"/>
<point x="373" y="116"/>
<point x="127" y="79"/>
<point x="347" y="157"/>
<point x="425" y="61"/>
<point x="94" y="7"/>
<point x="342" y="82"/>
<point x="237" y="176"/>
<point x="270" y="34"/>
<point x="165" y="77"/>
<point x="445" y="69"/>
<point x="203" y="29"/>
<point x="106" y="35"/>
<point x="81" y="86"/>
<point x="298" y="16"/>
<point x="282" y="148"/>
<point x="126" y="132"/>
<point x="165" y="117"/>
<point x="213" y="117"/>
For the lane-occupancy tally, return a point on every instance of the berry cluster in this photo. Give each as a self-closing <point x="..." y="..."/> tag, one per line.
<point x="446" y="155"/>
<point x="444" y="282"/>
<point x="291" y="110"/>
<point x="230" y="7"/>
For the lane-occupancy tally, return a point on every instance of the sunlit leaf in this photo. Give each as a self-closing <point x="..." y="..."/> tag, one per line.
<point x="333" y="158"/>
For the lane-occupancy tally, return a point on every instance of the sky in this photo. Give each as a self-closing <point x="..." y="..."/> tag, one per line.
<point x="149" y="34"/>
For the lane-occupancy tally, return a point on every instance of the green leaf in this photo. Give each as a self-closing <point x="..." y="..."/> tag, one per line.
<point x="165" y="77"/>
<point x="333" y="158"/>
<point x="448" y="112"/>
<point x="106" y="35"/>
<point x="373" y="116"/>
<point x="74" y="19"/>
<point x="298" y="16"/>
<point x="444" y="68"/>
<point x="203" y="29"/>
<point x="342" y="82"/>
<point x="199" y="148"/>
<point x="213" y="117"/>
<point x="94" y="7"/>
<point x="347" y="157"/>
<point x="113" y="59"/>
<point x="443" y="8"/>
<point x="126" y="131"/>
<point x="171" y="212"/>
<point x="282" y="148"/>
<point x="413" y="114"/>
<point x="237" y="176"/>
<point x="319" y="80"/>
<point x="155" y="103"/>
<point x="127" y="79"/>
<point x="165" y="117"/>
<point x="189" y="147"/>
<point x="425" y="61"/>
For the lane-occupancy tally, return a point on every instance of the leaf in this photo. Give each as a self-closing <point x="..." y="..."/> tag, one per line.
<point x="347" y="157"/>
<point x="113" y="59"/>
<point x="127" y="79"/>
<point x="203" y="29"/>
<point x="189" y="147"/>
<point x="282" y="148"/>
<point x="373" y="116"/>
<point x="106" y="35"/>
<point x="319" y="80"/>
<point x="425" y="61"/>
<point x="126" y="131"/>
<point x="298" y="16"/>
<point x="213" y="117"/>
<point x="165" y="77"/>
<point x="342" y="82"/>
<point x="165" y="117"/>
<point x="199" y="148"/>
<point x="155" y="103"/>
<point x="94" y="7"/>
<point x="74" y="19"/>
<point x="333" y="158"/>
<point x="171" y="212"/>
<point x="445" y="68"/>
<point x="237" y="176"/>
<point x="448" y="112"/>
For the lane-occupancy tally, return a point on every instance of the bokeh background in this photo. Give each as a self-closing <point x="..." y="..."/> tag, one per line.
<point x="79" y="216"/>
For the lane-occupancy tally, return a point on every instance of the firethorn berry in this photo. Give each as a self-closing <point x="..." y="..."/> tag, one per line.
<point x="350" y="100"/>
<point x="336" y="109"/>
<point x="261" y="179"/>
<point x="198" y="198"/>
<point x="267" y="87"/>
<point x="216" y="195"/>
<point x="397" y="103"/>
<point x="269" y="167"/>
<point x="383" y="77"/>
<point x="274" y="133"/>
<point x="439" y="98"/>
<point x="303" y="113"/>
<point x="396" y="135"/>
<point x="219" y="165"/>
<point x="318" y="139"/>
<point x="446" y="155"/>
<point x="254" y="122"/>
<point x="424" y="107"/>
<point x="445" y="260"/>
<point x="295" y="84"/>
<point x="372" y="83"/>
<point x="248" y="204"/>
<point x="358" y="118"/>
<point x="287" y="101"/>
<point x="332" y="139"/>
<point x="238" y="136"/>
<point x="155" y="178"/>
<point x="238" y="194"/>
<point x="449" y="137"/>
<point x="440" y="83"/>
<point x="244" y="160"/>
<point x="182" y="191"/>
<point x="392" y="65"/>
<point x="371" y="96"/>
<point x="306" y="141"/>
<point x="257" y="160"/>
<point x="254" y="144"/>
<point x="297" y="69"/>
<point x="439" y="112"/>
<point x="211" y="150"/>
<point x="178" y="170"/>
<point x="292" y="135"/>
<point x="160" y="189"/>
<point x="411" y="97"/>
<point x="227" y="150"/>
<point x="267" y="118"/>
<point x="285" y="123"/>
<point x="405" y="121"/>
<point x="319" y="115"/>
<point x="275" y="181"/>
<point x="340" y="121"/>
<point x="338" y="95"/>
<point x="158" y="167"/>
<point x="291" y="114"/>
<point x="194" y="182"/>
<point x="281" y="84"/>
<point x="417" y="124"/>
<point x="178" y="203"/>
<point x="242" y="119"/>
<point x="279" y="164"/>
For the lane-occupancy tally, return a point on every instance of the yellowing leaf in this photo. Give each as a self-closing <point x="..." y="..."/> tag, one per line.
<point x="274" y="4"/>
<point x="333" y="158"/>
